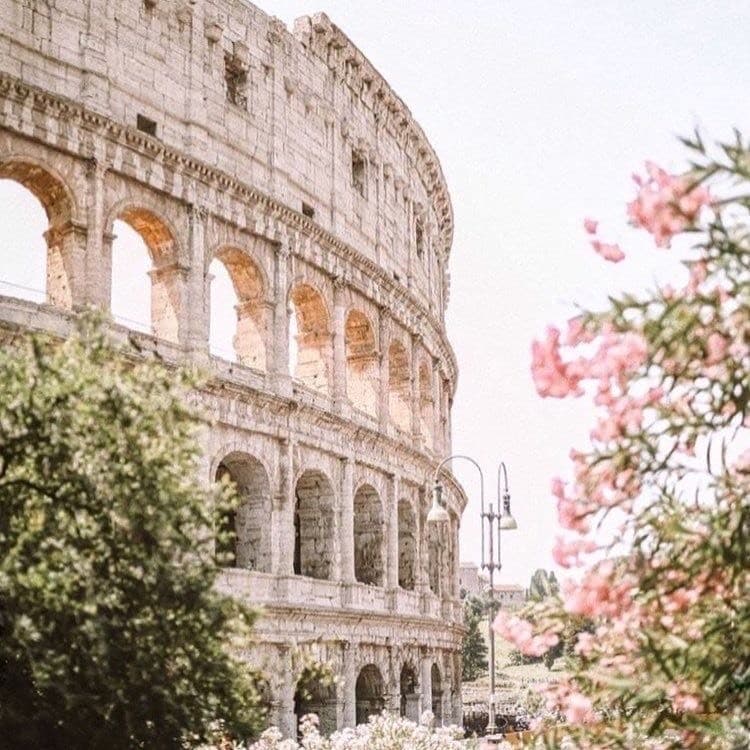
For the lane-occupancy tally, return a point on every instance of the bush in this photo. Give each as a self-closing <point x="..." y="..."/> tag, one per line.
<point x="111" y="633"/>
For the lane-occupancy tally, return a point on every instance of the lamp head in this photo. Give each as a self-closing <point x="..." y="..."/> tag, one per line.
<point x="506" y="521"/>
<point x="437" y="514"/>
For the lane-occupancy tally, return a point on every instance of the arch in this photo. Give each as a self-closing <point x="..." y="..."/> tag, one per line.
<point x="409" y="692"/>
<point x="369" y="693"/>
<point x="369" y="537"/>
<point x="362" y="371"/>
<point x="437" y="694"/>
<point x="49" y="268"/>
<point x="249" y="323"/>
<point x="313" y="525"/>
<point x="426" y="406"/>
<point x="154" y="237"/>
<point x="311" y="352"/>
<point x="313" y="696"/>
<point x="399" y="386"/>
<point x="407" y="545"/>
<point x="245" y="541"/>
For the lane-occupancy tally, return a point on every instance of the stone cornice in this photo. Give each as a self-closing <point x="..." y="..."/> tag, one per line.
<point x="345" y="59"/>
<point x="293" y="220"/>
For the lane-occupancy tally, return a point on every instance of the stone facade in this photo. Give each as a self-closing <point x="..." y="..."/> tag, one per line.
<point x="216" y="133"/>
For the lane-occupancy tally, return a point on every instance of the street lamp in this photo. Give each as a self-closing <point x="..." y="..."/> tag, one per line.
<point x="505" y="522"/>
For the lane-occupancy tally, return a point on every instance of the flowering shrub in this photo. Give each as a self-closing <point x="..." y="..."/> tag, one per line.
<point x="657" y="515"/>
<point x="382" y="732"/>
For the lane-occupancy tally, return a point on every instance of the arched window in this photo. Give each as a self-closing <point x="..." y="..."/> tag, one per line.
<point x="368" y="537"/>
<point x="409" y="693"/>
<point x="399" y="386"/>
<point x="238" y="315"/>
<point x="312" y="696"/>
<point x="146" y="282"/>
<point x="310" y="347"/>
<point x="244" y="541"/>
<point x="437" y="695"/>
<point x="369" y="693"/>
<point x="37" y="257"/>
<point x="362" y="371"/>
<point x="313" y="526"/>
<point x="426" y="409"/>
<point x="407" y="545"/>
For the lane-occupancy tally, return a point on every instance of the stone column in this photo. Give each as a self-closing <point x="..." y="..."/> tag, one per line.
<point x="393" y="684"/>
<point x="169" y="302"/>
<point x="426" y="682"/>
<point x="383" y="343"/>
<point x="346" y="526"/>
<point x="287" y="719"/>
<point x="392" y="531"/>
<point x="278" y="347"/>
<point x="437" y="437"/>
<point x="456" y="572"/>
<point x="349" y="686"/>
<point x="421" y="580"/>
<point x="196" y="317"/>
<point x="98" y="247"/>
<point x="415" y="410"/>
<point x="338" y="390"/>
<point x="66" y="269"/>
<point x="282" y="516"/>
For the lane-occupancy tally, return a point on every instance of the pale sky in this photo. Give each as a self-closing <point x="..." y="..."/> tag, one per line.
<point x="539" y="112"/>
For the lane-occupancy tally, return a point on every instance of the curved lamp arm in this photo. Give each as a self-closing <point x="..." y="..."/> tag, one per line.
<point x="438" y="486"/>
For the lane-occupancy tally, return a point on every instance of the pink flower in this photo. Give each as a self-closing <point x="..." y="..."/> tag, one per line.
<point x="610" y="252"/>
<point x="666" y="204"/>
<point x="521" y="634"/>
<point x="566" y="553"/>
<point x="742" y="464"/>
<point x="578" y="709"/>
<point x="551" y="375"/>
<point x="590" y="225"/>
<point x="716" y="348"/>
<point x="683" y="701"/>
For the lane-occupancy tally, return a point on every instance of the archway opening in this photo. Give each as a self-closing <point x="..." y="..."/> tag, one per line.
<point x="369" y="693"/>
<point x="310" y="345"/>
<point x="368" y="537"/>
<point x="39" y="239"/>
<point x="399" y="386"/>
<point x="313" y="526"/>
<point x="313" y="696"/>
<point x="362" y="371"/>
<point x="426" y="407"/>
<point x="407" y="545"/>
<point x="437" y="695"/>
<point x="146" y="292"/>
<point x="409" y="692"/>
<point x="243" y="540"/>
<point x="434" y="557"/>
<point x="238" y="315"/>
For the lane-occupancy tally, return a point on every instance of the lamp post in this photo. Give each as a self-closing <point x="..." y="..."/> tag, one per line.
<point x="496" y="522"/>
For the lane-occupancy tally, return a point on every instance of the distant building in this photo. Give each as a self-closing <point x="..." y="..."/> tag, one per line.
<point x="475" y="582"/>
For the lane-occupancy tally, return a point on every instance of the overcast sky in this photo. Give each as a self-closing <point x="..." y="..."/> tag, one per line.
<point x="539" y="112"/>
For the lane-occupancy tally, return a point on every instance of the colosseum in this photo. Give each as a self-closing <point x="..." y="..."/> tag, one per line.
<point x="220" y="136"/>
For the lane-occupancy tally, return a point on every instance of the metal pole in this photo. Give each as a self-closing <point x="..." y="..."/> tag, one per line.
<point x="491" y="726"/>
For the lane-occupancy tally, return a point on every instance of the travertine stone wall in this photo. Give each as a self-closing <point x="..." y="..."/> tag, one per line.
<point x="218" y="134"/>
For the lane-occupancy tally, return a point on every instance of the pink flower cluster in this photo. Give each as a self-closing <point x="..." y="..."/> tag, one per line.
<point x="666" y="204"/>
<point x="574" y="705"/>
<point x="607" y="250"/>
<point x="683" y="700"/>
<point x="521" y="634"/>
<point x="618" y="355"/>
<point x="600" y="593"/>
<point x="566" y="552"/>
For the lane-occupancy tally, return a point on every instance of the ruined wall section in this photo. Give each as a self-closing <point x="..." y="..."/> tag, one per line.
<point x="292" y="114"/>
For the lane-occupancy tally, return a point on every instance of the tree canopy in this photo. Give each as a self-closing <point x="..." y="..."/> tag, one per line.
<point x="111" y="632"/>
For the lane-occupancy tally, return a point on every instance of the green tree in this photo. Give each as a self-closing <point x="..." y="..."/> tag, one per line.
<point x="111" y="632"/>
<point x="543" y="585"/>
<point x="474" y="645"/>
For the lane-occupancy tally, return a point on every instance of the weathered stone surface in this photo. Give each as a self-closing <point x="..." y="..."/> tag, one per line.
<point x="216" y="133"/>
